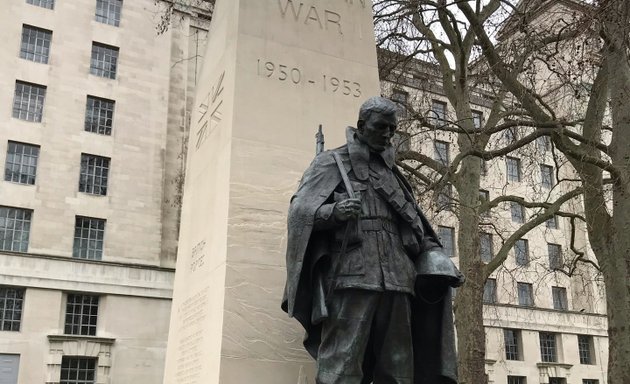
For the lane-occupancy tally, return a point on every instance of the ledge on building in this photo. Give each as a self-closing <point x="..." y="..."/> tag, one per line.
<point x="62" y="338"/>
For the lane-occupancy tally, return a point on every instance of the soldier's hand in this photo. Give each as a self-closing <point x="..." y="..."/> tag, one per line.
<point x="347" y="209"/>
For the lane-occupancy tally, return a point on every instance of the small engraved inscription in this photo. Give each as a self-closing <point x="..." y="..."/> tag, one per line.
<point x="294" y="75"/>
<point x="198" y="256"/>
<point x="212" y="102"/>
<point x="192" y="314"/>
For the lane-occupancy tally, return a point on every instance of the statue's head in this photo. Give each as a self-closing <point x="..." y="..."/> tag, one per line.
<point x="377" y="122"/>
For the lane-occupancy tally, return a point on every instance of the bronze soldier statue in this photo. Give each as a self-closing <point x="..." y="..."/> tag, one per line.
<point x="366" y="275"/>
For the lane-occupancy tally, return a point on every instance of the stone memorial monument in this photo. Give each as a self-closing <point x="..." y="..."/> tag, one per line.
<point x="273" y="71"/>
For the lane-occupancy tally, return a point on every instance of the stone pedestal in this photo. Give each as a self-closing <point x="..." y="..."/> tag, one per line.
<point x="273" y="71"/>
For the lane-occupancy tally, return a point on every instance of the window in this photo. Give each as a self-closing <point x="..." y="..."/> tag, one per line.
<point x="94" y="172"/>
<point x="28" y="103"/>
<point x="441" y="152"/>
<point x="99" y="114"/>
<point x="512" y="344"/>
<point x="548" y="353"/>
<point x="485" y="247"/>
<point x="447" y="238"/>
<point x="477" y="118"/>
<point x="484" y="197"/>
<point x="35" y="44"/>
<point x="518" y="212"/>
<point x="50" y="4"/>
<point x="525" y="294"/>
<point x="516" y="380"/>
<point x="445" y="198"/>
<point x="546" y="174"/>
<point x="483" y="166"/>
<point x="81" y="314"/>
<point x="15" y="227"/>
<point x="513" y="169"/>
<point x="108" y="11"/>
<point x="88" y="238"/>
<point x="543" y="143"/>
<point x="586" y="349"/>
<point x="590" y="381"/>
<point x="437" y="115"/>
<point x="557" y="380"/>
<point x="555" y="256"/>
<point x="104" y="60"/>
<point x="559" y="295"/>
<point x="400" y="98"/>
<point x="490" y="291"/>
<point x="21" y="163"/>
<point x="521" y="252"/>
<point x="510" y="135"/>
<point x="78" y="370"/>
<point x="552" y="223"/>
<point x="11" y="304"/>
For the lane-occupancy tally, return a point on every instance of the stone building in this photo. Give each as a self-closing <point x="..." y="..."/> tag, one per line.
<point x="93" y="115"/>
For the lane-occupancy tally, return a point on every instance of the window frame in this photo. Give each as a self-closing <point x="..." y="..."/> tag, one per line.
<point x="82" y="374"/>
<point x="48" y="4"/>
<point x="109" y="7"/>
<point x="527" y="289"/>
<point x="547" y="179"/>
<point x="512" y="344"/>
<point x="490" y="291"/>
<point x="448" y="232"/>
<point x="559" y="298"/>
<point x="548" y="347"/>
<point x="441" y="152"/>
<point x="586" y="355"/>
<point x="486" y="243"/>
<point x="94" y="174"/>
<point x="522" y="259"/>
<point x="41" y="52"/>
<point x="438" y="115"/>
<point x="517" y="212"/>
<point x="81" y="314"/>
<point x="25" y="222"/>
<point x="20" y="167"/>
<point x="513" y="169"/>
<point x="555" y="257"/>
<point x="94" y="242"/>
<point x="103" y="63"/>
<point x="15" y="297"/>
<point x="29" y="106"/>
<point x="96" y="109"/>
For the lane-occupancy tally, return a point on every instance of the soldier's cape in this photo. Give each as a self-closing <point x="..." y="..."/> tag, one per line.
<point x="432" y="322"/>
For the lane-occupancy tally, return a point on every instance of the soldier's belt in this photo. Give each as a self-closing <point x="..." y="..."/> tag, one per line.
<point x="378" y="224"/>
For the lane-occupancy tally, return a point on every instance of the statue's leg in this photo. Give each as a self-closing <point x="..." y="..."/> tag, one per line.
<point x="345" y="335"/>
<point x="393" y="346"/>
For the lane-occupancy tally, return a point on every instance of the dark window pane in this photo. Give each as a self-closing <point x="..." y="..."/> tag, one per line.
<point x="525" y="294"/>
<point x="88" y="243"/>
<point x="521" y="252"/>
<point x="15" y="226"/>
<point x="104" y="60"/>
<point x="28" y="101"/>
<point x="94" y="174"/>
<point x="35" y="44"/>
<point x="99" y="115"/>
<point x="108" y="11"/>
<point x="548" y="353"/>
<point x="11" y="303"/>
<point x="78" y="370"/>
<point x="50" y="4"/>
<point x="21" y="163"/>
<point x="447" y="238"/>
<point x="81" y="314"/>
<point x="490" y="291"/>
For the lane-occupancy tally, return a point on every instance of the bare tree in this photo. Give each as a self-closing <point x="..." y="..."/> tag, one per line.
<point x="430" y="46"/>
<point x="594" y="39"/>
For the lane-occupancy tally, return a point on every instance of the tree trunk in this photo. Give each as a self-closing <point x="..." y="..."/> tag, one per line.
<point x="471" y="337"/>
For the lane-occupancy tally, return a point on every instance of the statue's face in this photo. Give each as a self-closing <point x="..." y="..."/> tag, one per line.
<point x="377" y="131"/>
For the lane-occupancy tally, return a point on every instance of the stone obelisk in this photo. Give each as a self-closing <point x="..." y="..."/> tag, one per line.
<point x="273" y="71"/>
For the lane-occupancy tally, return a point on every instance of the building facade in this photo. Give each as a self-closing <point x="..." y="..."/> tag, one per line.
<point x="93" y="121"/>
